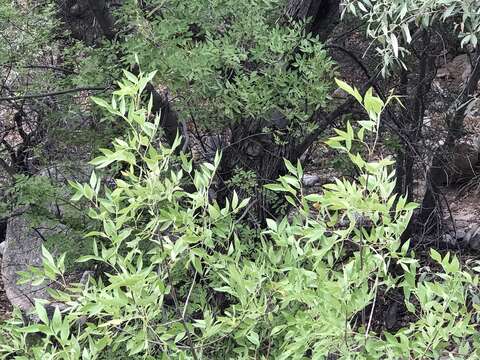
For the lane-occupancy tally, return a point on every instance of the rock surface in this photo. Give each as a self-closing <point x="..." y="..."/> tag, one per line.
<point x="22" y="251"/>
<point x="457" y="166"/>
<point x="459" y="68"/>
<point x="310" y="180"/>
<point x="22" y="248"/>
<point x="472" y="238"/>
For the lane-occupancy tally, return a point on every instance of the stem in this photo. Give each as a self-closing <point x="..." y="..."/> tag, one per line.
<point x="55" y="93"/>
<point x="177" y="308"/>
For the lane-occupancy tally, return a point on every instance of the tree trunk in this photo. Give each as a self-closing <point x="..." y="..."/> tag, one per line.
<point x="437" y="171"/>
<point x="3" y="229"/>
<point x="90" y="20"/>
<point x="252" y="150"/>
<point x="103" y="16"/>
<point x="415" y="90"/>
<point x="321" y="15"/>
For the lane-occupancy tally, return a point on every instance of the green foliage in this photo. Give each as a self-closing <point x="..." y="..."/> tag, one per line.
<point x="32" y="44"/>
<point x="395" y="24"/>
<point x="230" y="61"/>
<point x="245" y="180"/>
<point x="182" y="279"/>
<point x="26" y="191"/>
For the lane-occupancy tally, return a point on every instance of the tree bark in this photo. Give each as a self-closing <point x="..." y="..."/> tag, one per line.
<point x="321" y="15"/>
<point x="253" y="150"/>
<point x="103" y="16"/>
<point x="437" y="170"/>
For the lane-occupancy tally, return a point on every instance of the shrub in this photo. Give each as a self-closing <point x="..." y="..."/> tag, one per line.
<point x="184" y="278"/>
<point x="396" y="26"/>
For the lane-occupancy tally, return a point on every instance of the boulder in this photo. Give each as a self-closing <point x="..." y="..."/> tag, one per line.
<point x="22" y="248"/>
<point x="457" y="166"/>
<point x="465" y="158"/>
<point x="310" y="180"/>
<point x="472" y="238"/>
<point x="458" y="69"/>
<point x="460" y="234"/>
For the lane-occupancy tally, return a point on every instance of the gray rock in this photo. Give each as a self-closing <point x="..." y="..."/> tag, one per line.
<point x="457" y="165"/>
<point x="22" y="250"/>
<point x="472" y="238"/>
<point x="465" y="158"/>
<point x="279" y="119"/>
<point x="310" y="180"/>
<point x="86" y="276"/>
<point x="339" y="94"/>
<point x="460" y="234"/>
<point x="449" y="239"/>
<point x="23" y="246"/>
<point x="474" y="243"/>
<point x="458" y="69"/>
<point x="391" y="316"/>
<point x="472" y="230"/>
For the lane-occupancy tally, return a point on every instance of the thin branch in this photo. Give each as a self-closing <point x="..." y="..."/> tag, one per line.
<point x="50" y="67"/>
<point x="55" y="93"/>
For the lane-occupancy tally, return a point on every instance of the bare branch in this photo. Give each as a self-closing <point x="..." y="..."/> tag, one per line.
<point x="55" y="93"/>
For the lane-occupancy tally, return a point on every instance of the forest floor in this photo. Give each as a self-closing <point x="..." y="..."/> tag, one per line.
<point x="462" y="216"/>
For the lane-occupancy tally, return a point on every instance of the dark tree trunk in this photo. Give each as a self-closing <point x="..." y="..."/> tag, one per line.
<point x="103" y="16"/>
<point x="80" y="20"/>
<point x="322" y="15"/>
<point x="252" y="150"/>
<point x="429" y="216"/>
<point x="3" y="229"/>
<point x="414" y="90"/>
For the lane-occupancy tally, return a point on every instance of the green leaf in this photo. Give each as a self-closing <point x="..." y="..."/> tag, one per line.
<point x="254" y="339"/>
<point x="314" y="197"/>
<point x="93" y="180"/>
<point x="349" y="90"/>
<point x="394" y="40"/>
<point x="275" y="187"/>
<point x="100" y="102"/>
<point x="47" y="257"/>
<point x="130" y="76"/>
<point x="435" y="255"/>
<point x="56" y="321"/>
<point x="272" y="224"/>
<point x="291" y="169"/>
<point x="41" y="312"/>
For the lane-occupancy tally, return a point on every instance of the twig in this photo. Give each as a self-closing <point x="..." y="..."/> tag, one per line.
<point x="50" y="67"/>
<point x="177" y="308"/>
<point x="55" y="93"/>
<point x="247" y="209"/>
<point x="373" y="308"/>
<point x="188" y="296"/>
